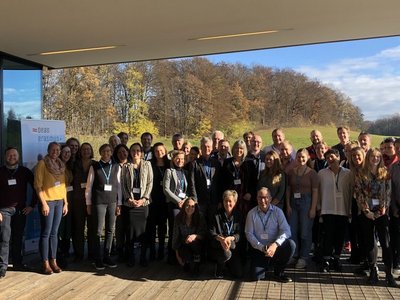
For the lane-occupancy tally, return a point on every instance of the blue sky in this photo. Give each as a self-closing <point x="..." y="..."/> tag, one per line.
<point x="366" y="70"/>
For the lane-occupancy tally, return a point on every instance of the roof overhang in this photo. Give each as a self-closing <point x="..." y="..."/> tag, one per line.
<point x="147" y="30"/>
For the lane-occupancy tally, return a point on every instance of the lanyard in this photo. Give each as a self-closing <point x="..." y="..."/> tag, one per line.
<point x="266" y="221"/>
<point x="181" y="179"/>
<point x="207" y="168"/>
<point x="236" y="170"/>
<point x="107" y="176"/>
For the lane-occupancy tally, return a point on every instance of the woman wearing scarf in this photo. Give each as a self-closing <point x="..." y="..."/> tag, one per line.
<point x="50" y="187"/>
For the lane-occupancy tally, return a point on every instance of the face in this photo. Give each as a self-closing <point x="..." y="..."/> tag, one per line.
<point x="332" y="159"/>
<point x="263" y="199"/>
<point x="286" y="150"/>
<point x="347" y="151"/>
<point x="113" y="142"/>
<point x="193" y="155"/>
<point x="278" y="137"/>
<point x="159" y="152"/>
<point x="269" y="161"/>
<point x="365" y="142"/>
<point x="135" y="152"/>
<point x="238" y="152"/>
<point x="54" y="151"/>
<point x="190" y="207"/>
<point x="177" y="144"/>
<point x="74" y="147"/>
<point x="86" y="151"/>
<point x="124" y="139"/>
<point x="247" y="139"/>
<point x="206" y="148"/>
<point x="12" y="157"/>
<point x="320" y="151"/>
<point x="256" y="143"/>
<point x="316" y="137"/>
<point x="179" y="160"/>
<point x="224" y="148"/>
<point x="122" y="155"/>
<point x="357" y="157"/>
<point x="106" y="154"/>
<point x="217" y="137"/>
<point x="65" y="154"/>
<point x="302" y="158"/>
<point x="229" y="203"/>
<point x="389" y="149"/>
<point x="146" y="141"/>
<point x="186" y="149"/>
<point x="343" y="135"/>
<point x="375" y="159"/>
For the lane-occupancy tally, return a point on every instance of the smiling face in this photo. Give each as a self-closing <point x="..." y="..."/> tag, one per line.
<point x="206" y="148"/>
<point x="343" y="135"/>
<point x="229" y="204"/>
<point x="269" y="161"/>
<point x="54" y="151"/>
<point x="256" y="144"/>
<point x="73" y="146"/>
<point x="86" y="151"/>
<point x="278" y="137"/>
<point x="238" y="152"/>
<point x="136" y="152"/>
<point x="65" y="154"/>
<point x="159" y="152"/>
<point x="106" y="153"/>
<point x="146" y="142"/>
<point x="357" y="158"/>
<point x="365" y="142"/>
<point x="320" y="150"/>
<point x="302" y="158"/>
<point x="263" y="199"/>
<point x="12" y="157"/>
<point x="315" y="137"/>
<point x="190" y="207"/>
<point x="375" y="158"/>
<point x="179" y="160"/>
<point x="122" y="155"/>
<point x="286" y="150"/>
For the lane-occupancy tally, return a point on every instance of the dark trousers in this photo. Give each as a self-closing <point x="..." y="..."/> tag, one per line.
<point x="64" y="236"/>
<point x="18" y="221"/>
<point x="379" y="226"/>
<point x="157" y="225"/>
<point x="49" y="230"/>
<point x="173" y="210"/>
<point x="135" y="219"/>
<point x="80" y="219"/>
<point x="5" y="235"/>
<point x="190" y="252"/>
<point x="357" y="248"/>
<point x="231" y="259"/>
<point x="260" y="262"/>
<point x="394" y="227"/>
<point x="334" y="231"/>
<point x="104" y="214"/>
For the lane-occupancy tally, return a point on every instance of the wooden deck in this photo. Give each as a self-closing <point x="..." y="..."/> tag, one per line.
<point x="162" y="281"/>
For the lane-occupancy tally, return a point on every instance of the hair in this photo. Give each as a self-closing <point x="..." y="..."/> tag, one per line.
<point x="115" y="153"/>
<point x="332" y="151"/>
<point x="229" y="193"/>
<point x="195" y="148"/>
<point x="247" y="133"/>
<point x="72" y="139"/>
<point x="276" y="130"/>
<point x="342" y="128"/>
<point x="217" y="131"/>
<point x="286" y="143"/>
<point x="177" y="136"/>
<point x="189" y="144"/>
<point x="382" y="173"/>
<point x="390" y="140"/>
<point x="174" y="154"/>
<point x="136" y="144"/>
<point x="276" y="170"/>
<point x="121" y="134"/>
<point x="146" y="134"/>
<point x="102" y="147"/>
<point x="353" y="167"/>
<point x="91" y="149"/>
<point x="263" y="188"/>
<point x="154" y="159"/>
<point x="322" y="144"/>
<point x="205" y="140"/>
<point x="181" y="216"/>
<point x="240" y="144"/>
<point x="116" y="137"/>
<point x="51" y="144"/>
<point x="364" y="133"/>
<point x="354" y="143"/>
<point x="10" y="148"/>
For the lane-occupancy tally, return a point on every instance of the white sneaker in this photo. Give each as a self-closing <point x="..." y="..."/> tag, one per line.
<point x="301" y="263"/>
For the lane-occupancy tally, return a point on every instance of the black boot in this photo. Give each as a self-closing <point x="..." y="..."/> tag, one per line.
<point x="373" y="275"/>
<point x="389" y="278"/>
<point x="143" y="254"/>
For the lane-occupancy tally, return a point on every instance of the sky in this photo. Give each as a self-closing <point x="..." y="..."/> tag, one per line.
<point x="368" y="71"/>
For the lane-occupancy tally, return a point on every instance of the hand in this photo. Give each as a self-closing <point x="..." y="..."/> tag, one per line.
<point x="65" y="209"/>
<point x="27" y="210"/>
<point x="270" y="251"/>
<point x="190" y="238"/>
<point x="131" y="202"/>
<point x="311" y="213"/>
<point x="1" y="218"/>
<point x="45" y="209"/>
<point x="180" y="203"/>
<point x="89" y="209"/>
<point x="247" y="197"/>
<point x="118" y="210"/>
<point x="370" y="215"/>
<point x="288" y="211"/>
<point x="139" y="202"/>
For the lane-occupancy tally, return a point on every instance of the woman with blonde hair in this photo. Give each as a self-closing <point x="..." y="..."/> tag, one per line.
<point x="273" y="178"/>
<point x="373" y="192"/>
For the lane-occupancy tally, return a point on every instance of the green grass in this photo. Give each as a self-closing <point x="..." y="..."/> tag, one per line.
<point x="298" y="136"/>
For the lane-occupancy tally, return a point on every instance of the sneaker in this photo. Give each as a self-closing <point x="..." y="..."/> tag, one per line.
<point x="301" y="264"/>
<point x="281" y="277"/>
<point x="325" y="267"/>
<point x="98" y="264"/>
<point x="390" y="281"/>
<point x="107" y="261"/>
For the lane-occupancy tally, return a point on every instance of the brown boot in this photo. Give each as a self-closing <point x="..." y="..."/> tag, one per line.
<point x="46" y="270"/>
<point x="54" y="266"/>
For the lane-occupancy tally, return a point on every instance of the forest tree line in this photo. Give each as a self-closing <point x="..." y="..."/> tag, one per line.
<point x="191" y="96"/>
<point x="387" y="126"/>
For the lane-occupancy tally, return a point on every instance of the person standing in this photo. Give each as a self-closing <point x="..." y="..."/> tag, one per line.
<point x="14" y="182"/>
<point x="343" y="133"/>
<point x="50" y="187"/>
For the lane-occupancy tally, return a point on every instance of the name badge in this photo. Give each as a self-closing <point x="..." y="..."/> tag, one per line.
<point x="70" y="188"/>
<point x="237" y="182"/>
<point x="264" y="236"/>
<point x="297" y="195"/>
<point x="57" y="183"/>
<point x="12" y="181"/>
<point x="208" y="182"/>
<point x="182" y="195"/>
<point x="375" y="202"/>
<point x="108" y="187"/>
<point x="83" y="185"/>
<point x="136" y="190"/>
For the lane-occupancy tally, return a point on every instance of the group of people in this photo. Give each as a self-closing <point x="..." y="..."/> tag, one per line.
<point x="217" y="202"/>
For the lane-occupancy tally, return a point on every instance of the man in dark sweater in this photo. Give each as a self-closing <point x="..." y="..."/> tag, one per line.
<point x="14" y="181"/>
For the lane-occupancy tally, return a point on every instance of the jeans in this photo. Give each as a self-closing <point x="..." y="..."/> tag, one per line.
<point x="301" y="225"/>
<point x="5" y="235"/>
<point x="101" y="212"/>
<point x="49" y="230"/>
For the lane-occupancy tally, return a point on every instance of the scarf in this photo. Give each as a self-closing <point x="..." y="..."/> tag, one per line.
<point x="56" y="167"/>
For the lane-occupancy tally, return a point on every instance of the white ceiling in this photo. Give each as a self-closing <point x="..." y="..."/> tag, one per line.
<point x="157" y="29"/>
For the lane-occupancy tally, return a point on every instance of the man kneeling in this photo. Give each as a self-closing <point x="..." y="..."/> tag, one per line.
<point x="268" y="233"/>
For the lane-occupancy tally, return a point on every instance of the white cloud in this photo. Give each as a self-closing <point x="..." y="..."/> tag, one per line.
<point x="373" y="82"/>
